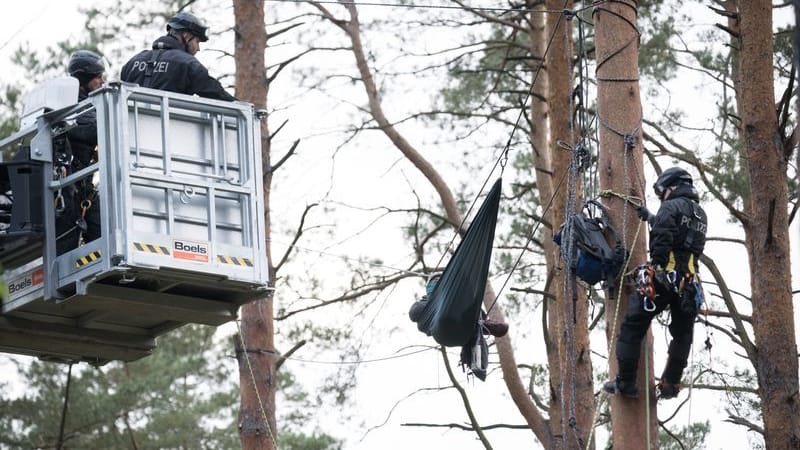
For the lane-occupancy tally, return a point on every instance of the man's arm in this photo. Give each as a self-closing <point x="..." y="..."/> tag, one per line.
<point x="202" y="84"/>
<point x="662" y="235"/>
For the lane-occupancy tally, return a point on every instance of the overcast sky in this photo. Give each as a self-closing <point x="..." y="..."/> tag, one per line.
<point x="42" y="22"/>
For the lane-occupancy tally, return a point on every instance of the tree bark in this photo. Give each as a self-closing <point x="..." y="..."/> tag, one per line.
<point x="767" y="231"/>
<point x="257" y="378"/>
<point x="620" y="167"/>
<point x="543" y="173"/>
<point x="572" y="401"/>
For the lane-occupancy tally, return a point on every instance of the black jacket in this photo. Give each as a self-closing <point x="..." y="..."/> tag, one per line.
<point x="168" y="66"/>
<point x="83" y="136"/>
<point x="678" y="236"/>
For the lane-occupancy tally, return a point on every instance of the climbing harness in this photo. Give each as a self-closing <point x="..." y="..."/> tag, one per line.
<point x="644" y="276"/>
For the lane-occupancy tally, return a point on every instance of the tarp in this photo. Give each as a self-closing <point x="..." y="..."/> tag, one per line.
<point x="453" y="308"/>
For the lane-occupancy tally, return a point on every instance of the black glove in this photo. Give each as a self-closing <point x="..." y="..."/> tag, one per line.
<point x="644" y="213"/>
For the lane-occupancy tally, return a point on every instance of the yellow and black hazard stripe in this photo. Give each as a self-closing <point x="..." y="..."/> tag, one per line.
<point x="151" y="248"/>
<point x="235" y="260"/>
<point x="88" y="259"/>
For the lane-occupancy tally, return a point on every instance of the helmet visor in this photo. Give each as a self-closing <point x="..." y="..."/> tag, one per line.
<point x="659" y="190"/>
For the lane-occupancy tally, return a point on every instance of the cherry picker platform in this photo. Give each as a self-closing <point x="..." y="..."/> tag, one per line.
<point x="179" y="184"/>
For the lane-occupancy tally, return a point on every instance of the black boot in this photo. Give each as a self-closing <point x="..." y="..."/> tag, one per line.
<point x="622" y="386"/>
<point x="667" y="390"/>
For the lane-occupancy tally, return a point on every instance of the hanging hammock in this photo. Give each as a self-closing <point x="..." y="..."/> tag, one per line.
<point x="453" y="308"/>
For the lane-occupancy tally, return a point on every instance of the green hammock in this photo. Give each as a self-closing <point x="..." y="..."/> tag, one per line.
<point x="453" y="308"/>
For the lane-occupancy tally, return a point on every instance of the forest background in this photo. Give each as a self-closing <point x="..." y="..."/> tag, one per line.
<point x="359" y="203"/>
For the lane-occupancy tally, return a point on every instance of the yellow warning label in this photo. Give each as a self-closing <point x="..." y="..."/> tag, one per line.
<point x="150" y="248"/>
<point x="88" y="259"/>
<point x="235" y="260"/>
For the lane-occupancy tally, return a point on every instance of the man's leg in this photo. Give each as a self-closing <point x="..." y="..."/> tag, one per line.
<point x="682" y="330"/>
<point x="633" y="329"/>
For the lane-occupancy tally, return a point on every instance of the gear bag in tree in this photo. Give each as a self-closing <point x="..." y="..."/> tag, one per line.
<point x="590" y="255"/>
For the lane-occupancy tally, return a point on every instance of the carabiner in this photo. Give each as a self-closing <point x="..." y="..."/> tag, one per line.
<point x="648" y="305"/>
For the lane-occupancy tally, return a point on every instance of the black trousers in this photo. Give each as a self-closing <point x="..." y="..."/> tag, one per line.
<point x="637" y="320"/>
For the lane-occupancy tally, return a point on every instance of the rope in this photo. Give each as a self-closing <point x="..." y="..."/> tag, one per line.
<point x="361" y="361"/>
<point x="647" y="396"/>
<point x="569" y="281"/>
<point x="691" y="385"/>
<point x="623" y="273"/>
<point x="445" y="7"/>
<point x="629" y="143"/>
<point x="632" y="199"/>
<point x="255" y="387"/>
<point x="501" y="161"/>
<point x="530" y="239"/>
<point x="347" y="258"/>
<point x="60" y="442"/>
<point x="505" y="152"/>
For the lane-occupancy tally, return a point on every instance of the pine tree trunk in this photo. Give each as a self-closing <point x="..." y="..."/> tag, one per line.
<point x="572" y="402"/>
<point x="767" y="233"/>
<point x="257" y="425"/>
<point x="620" y="166"/>
<point x="541" y="155"/>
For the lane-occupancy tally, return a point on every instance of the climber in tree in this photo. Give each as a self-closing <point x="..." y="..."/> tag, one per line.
<point x="677" y="239"/>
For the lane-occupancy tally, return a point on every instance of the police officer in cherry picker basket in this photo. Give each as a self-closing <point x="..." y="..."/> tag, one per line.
<point x="677" y="239"/>
<point x="171" y="65"/>
<point x="79" y="220"/>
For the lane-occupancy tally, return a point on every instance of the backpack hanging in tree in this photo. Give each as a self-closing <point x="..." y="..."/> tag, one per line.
<point x="453" y="308"/>
<point x="593" y="258"/>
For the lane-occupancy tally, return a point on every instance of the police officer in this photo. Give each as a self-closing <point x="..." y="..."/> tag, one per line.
<point x="171" y="64"/>
<point x="80" y="220"/>
<point x="88" y="68"/>
<point x="677" y="239"/>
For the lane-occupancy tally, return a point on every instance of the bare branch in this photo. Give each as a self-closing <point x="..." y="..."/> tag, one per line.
<point x="465" y="399"/>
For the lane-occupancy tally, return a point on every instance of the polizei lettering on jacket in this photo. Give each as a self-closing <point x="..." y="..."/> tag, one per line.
<point x="190" y="250"/>
<point x="695" y="225"/>
<point x="158" y="66"/>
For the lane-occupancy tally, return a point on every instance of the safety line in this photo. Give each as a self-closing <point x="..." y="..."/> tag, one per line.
<point x="500" y="161"/>
<point x="530" y="239"/>
<point x="418" y="6"/>
<point x="360" y="361"/>
<point x="346" y="258"/>
<point x="569" y="288"/>
<point x="612" y="340"/>
<point x="508" y="144"/>
<point x="255" y="386"/>
<point x="504" y="153"/>
<point x="647" y="393"/>
<point x="60" y="442"/>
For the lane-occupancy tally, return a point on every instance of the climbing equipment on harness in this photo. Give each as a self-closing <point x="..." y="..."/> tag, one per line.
<point x="645" y="276"/>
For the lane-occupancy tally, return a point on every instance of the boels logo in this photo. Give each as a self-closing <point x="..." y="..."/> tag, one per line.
<point x="190" y="250"/>
<point x="25" y="283"/>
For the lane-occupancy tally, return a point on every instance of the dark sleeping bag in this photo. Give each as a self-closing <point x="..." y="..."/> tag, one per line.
<point x="452" y="310"/>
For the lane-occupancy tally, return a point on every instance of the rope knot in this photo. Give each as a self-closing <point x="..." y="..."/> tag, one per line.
<point x="583" y="156"/>
<point x="629" y="140"/>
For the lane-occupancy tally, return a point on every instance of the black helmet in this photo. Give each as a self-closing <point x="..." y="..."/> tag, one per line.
<point x="671" y="177"/>
<point x="184" y="21"/>
<point x="85" y="64"/>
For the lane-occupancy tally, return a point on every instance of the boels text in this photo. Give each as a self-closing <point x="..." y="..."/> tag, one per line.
<point x="22" y="284"/>
<point x="193" y="248"/>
